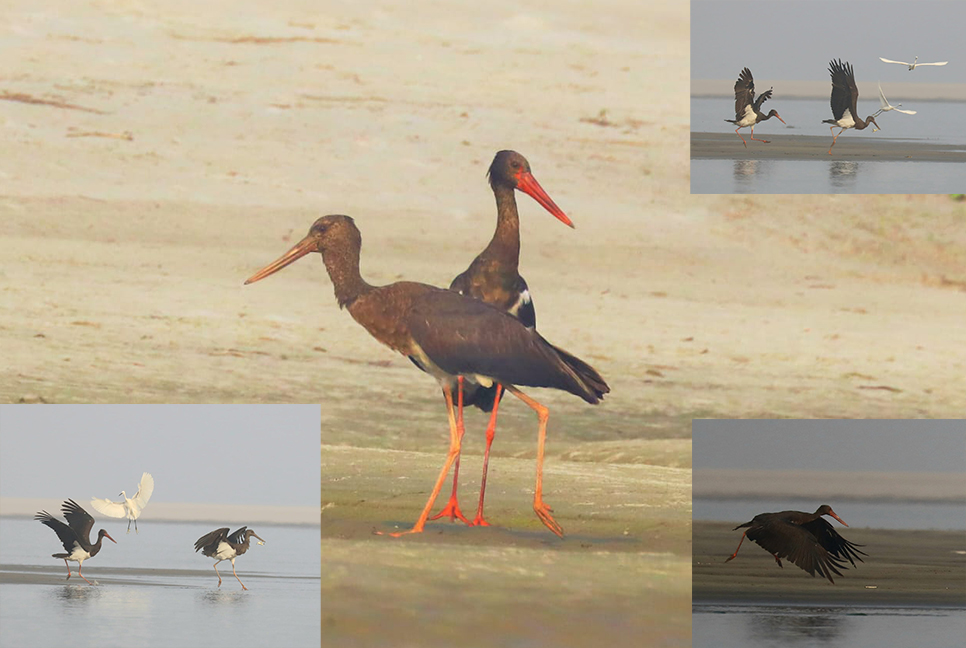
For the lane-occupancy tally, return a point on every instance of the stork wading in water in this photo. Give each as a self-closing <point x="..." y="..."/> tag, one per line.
<point x="130" y="507"/>
<point x="845" y="94"/>
<point x="747" y="108"/>
<point x="221" y="546"/>
<point x="75" y="535"/>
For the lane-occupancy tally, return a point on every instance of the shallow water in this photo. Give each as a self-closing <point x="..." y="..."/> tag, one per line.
<point x="748" y="626"/>
<point x="858" y="514"/>
<point x="180" y="606"/>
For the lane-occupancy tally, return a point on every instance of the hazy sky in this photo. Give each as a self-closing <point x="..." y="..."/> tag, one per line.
<point x="854" y="445"/>
<point x="231" y="454"/>
<point x="795" y="39"/>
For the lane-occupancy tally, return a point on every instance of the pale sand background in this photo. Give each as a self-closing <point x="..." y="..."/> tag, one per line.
<point x="224" y="129"/>
<point x="821" y="89"/>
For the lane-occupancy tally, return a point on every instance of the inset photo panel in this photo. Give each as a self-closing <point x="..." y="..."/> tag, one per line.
<point x="159" y="525"/>
<point x="829" y="532"/>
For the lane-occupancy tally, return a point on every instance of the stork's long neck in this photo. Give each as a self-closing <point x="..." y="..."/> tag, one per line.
<point x="342" y="264"/>
<point x="505" y="244"/>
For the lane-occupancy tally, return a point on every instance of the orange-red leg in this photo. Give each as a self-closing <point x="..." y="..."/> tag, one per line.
<point x="479" y="520"/>
<point x="539" y="506"/>
<point x="758" y="140"/>
<point x="739" y="135"/>
<point x="68" y="569"/>
<point x="79" y="573"/>
<point x="454" y="450"/>
<point x="831" y="129"/>
<point x="236" y="576"/>
<point x="452" y="508"/>
<point x="739" y="547"/>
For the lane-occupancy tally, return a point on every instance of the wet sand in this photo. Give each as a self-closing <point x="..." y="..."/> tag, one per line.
<point x="903" y="568"/>
<point x="726" y="146"/>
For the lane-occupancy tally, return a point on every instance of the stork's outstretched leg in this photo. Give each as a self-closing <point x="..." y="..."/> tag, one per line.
<point x="831" y="128"/>
<point x="236" y="574"/>
<point x="68" y="569"/>
<point x="758" y="140"/>
<point x="452" y="508"/>
<point x="454" y="450"/>
<point x="539" y="506"/>
<point x="219" y="575"/>
<point x="777" y="560"/>
<point x="490" y="433"/>
<point x="739" y="135"/>
<point x="739" y="547"/>
<point x="81" y="574"/>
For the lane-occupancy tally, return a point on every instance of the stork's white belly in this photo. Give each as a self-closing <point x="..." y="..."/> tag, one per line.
<point x="749" y="119"/>
<point x="225" y="551"/>
<point x="846" y="121"/>
<point x="78" y="554"/>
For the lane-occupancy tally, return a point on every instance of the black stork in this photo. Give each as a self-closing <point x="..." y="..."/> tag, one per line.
<point x="130" y="507"/>
<point x="804" y="538"/>
<point x="747" y="108"/>
<point x="75" y="535"/>
<point x="447" y="335"/>
<point x="845" y="95"/>
<point x="221" y="546"/>
<point x="493" y="277"/>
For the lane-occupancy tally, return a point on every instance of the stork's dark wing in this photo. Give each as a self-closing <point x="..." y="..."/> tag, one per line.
<point x="238" y="536"/>
<point x="79" y="520"/>
<point x="843" y="87"/>
<point x="744" y="93"/>
<point x="211" y="539"/>
<point x="64" y="532"/>
<point x="485" y="280"/>
<point x="762" y="98"/>
<point x="796" y="543"/>
<point x="835" y="544"/>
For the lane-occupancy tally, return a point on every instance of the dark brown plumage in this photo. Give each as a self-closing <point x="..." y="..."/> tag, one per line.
<point x="75" y="535"/>
<point x="807" y="540"/>
<point x="218" y="544"/>
<point x="448" y="335"/>
<point x="845" y="95"/>
<point x="747" y="108"/>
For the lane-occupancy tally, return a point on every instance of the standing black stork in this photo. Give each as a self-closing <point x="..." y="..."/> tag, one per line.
<point x="493" y="277"/>
<point x="221" y="546"/>
<point x="804" y="538"/>
<point x="844" y="97"/>
<point x="75" y="535"/>
<point x="447" y="335"/>
<point x="747" y="108"/>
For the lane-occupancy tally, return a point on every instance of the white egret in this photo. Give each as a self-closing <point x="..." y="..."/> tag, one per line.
<point x="913" y="65"/>
<point x="887" y="107"/>
<point x="218" y="544"/>
<point x="131" y="507"/>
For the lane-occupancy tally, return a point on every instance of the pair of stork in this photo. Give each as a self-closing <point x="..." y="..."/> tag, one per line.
<point x="478" y="338"/>
<point x="844" y="98"/>
<point x="75" y="534"/>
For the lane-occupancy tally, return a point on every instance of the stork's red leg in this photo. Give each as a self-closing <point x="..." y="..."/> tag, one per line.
<point x="219" y="575"/>
<point x="236" y="575"/>
<point x="490" y="433"/>
<point x="454" y="450"/>
<point x="68" y="569"/>
<point x="758" y="140"/>
<point x="79" y="565"/>
<point x="831" y="130"/>
<point x="739" y="547"/>
<point x="539" y="506"/>
<point x="452" y="508"/>
<point x="777" y="560"/>
<point x="739" y="135"/>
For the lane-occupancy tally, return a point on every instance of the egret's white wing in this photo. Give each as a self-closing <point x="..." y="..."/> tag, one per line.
<point x="145" y="488"/>
<point x="108" y="508"/>
<point x="885" y="60"/>
<point x="882" y="99"/>
<point x="908" y="112"/>
<point x="943" y="63"/>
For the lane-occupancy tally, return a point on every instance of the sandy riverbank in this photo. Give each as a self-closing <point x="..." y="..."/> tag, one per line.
<point x="726" y="146"/>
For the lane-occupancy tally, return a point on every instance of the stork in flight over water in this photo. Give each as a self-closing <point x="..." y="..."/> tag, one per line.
<point x="912" y="66"/>
<point x="845" y="95"/>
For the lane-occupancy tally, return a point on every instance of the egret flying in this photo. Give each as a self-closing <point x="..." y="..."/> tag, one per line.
<point x="747" y="108"/>
<point x="131" y="507"/>
<point x="218" y="544"/>
<point x="886" y="107"/>
<point x="912" y="66"/>
<point x="75" y="535"/>
<point x="845" y="95"/>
